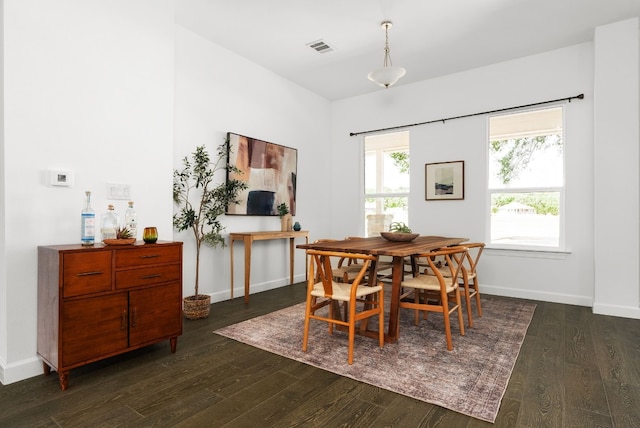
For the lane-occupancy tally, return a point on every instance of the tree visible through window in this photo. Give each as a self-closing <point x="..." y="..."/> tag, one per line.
<point x="386" y="178"/>
<point x="526" y="179"/>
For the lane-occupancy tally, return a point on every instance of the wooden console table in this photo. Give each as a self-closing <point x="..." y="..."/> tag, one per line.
<point x="249" y="237"/>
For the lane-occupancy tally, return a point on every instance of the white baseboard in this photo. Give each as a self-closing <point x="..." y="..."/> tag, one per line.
<point x="568" y="299"/>
<point x="21" y="370"/>
<point x="616" y="311"/>
<point x="238" y="289"/>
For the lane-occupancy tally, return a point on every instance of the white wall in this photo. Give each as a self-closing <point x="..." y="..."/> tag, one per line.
<point x="217" y="92"/>
<point x="88" y="87"/>
<point x="617" y="133"/>
<point x="552" y="75"/>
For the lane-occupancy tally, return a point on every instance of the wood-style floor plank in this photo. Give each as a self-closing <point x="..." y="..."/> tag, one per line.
<point x="575" y="369"/>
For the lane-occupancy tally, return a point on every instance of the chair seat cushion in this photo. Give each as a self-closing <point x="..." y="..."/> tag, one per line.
<point x="342" y="291"/>
<point x="426" y="282"/>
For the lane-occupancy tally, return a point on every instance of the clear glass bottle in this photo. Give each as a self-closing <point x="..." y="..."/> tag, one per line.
<point x="131" y="220"/>
<point x="109" y="224"/>
<point x="88" y="223"/>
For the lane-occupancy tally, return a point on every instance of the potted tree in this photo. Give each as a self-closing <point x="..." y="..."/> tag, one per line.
<point x="201" y="202"/>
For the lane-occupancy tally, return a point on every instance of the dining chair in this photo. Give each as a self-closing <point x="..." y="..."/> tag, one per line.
<point x="437" y="292"/>
<point x="469" y="280"/>
<point x="363" y="301"/>
<point x="471" y="284"/>
<point x="340" y="273"/>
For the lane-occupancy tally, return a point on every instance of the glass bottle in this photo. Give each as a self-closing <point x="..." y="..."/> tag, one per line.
<point x="109" y="224"/>
<point x="88" y="223"/>
<point x="131" y="220"/>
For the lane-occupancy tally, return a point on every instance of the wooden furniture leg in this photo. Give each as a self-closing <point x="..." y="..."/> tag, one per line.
<point x="64" y="380"/>
<point x="291" y="260"/>
<point x="247" y="267"/>
<point x="173" y="342"/>
<point x="394" y="314"/>
<point x="231" y="241"/>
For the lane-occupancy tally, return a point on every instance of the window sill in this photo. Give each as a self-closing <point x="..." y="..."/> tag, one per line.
<point x="527" y="252"/>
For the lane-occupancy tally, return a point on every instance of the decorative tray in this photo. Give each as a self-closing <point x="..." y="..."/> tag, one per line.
<point x="127" y="241"/>
<point x="399" y="236"/>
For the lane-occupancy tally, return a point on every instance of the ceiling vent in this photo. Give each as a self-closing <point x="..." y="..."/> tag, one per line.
<point x="320" y="46"/>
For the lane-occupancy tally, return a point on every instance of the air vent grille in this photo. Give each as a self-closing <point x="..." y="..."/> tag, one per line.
<point x="320" y="46"/>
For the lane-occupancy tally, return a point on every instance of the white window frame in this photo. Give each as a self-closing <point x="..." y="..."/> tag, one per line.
<point x="561" y="248"/>
<point x="380" y="196"/>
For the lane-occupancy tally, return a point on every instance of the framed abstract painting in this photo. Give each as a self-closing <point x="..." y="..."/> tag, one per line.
<point x="270" y="171"/>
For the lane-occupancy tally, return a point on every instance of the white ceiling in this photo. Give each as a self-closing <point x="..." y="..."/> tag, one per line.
<point x="429" y="38"/>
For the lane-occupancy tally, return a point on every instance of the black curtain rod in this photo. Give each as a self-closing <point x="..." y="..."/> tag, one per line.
<point x="579" y="97"/>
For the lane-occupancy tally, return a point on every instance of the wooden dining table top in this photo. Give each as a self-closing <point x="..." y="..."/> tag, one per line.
<point x="379" y="246"/>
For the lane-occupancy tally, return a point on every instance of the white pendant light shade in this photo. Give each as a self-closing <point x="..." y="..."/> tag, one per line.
<point x="388" y="74"/>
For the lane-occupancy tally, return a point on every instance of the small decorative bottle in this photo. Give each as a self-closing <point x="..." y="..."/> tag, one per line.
<point x="88" y="223"/>
<point x="109" y="224"/>
<point x="131" y="220"/>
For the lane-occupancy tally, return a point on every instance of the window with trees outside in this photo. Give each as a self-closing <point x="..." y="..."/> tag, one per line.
<point x="526" y="180"/>
<point x="386" y="181"/>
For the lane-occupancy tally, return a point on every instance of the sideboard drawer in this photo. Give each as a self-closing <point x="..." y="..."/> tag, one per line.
<point x="145" y="276"/>
<point x="149" y="254"/>
<point x="86" y="273"/>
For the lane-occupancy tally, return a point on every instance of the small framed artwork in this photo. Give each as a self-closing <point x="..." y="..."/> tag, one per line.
<point x="444" y="181"/>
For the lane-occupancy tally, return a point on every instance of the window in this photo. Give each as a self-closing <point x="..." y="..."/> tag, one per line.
<point x="526" y="180"/>
<point x="386" y="178"/>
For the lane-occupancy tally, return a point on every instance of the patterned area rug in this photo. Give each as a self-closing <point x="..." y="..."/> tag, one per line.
<point x="471" y="379"/>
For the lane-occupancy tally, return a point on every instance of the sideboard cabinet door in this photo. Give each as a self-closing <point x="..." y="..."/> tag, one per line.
<point x="93" y="327"/>
<point x="156" y="314"/>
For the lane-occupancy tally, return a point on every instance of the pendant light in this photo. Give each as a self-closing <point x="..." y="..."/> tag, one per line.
<point x="388" y="74"/>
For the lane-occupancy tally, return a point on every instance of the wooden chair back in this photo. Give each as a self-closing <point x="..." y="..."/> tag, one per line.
<point x="321" y="268"/>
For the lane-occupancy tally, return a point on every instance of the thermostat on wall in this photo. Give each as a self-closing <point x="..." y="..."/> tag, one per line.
<point x="61" y="178"/>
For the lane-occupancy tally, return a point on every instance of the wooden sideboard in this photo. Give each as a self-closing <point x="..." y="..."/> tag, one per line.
<point x="100" y="301"/>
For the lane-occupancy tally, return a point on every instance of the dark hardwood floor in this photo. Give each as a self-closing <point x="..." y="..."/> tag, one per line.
<point x="575" y="369"/>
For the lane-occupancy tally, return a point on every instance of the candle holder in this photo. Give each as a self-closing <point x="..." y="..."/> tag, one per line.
<point x="150" y="235"/>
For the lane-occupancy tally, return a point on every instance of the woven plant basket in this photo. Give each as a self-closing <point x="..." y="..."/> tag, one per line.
<point x="196" y="307"/>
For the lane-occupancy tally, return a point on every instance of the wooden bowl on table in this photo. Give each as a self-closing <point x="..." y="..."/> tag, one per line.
<point x="399" y="236"/>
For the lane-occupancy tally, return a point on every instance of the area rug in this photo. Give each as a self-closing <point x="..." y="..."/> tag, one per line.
<point x="470" y="380"/>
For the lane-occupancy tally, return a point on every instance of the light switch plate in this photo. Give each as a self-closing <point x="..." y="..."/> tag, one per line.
<point x="118" y="191"/>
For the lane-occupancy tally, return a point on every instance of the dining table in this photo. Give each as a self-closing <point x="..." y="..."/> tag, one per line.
<point x="398" y="250"/>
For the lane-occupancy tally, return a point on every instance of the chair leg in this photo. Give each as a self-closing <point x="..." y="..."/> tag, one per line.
<point x="447" y="325"/>
<point x="477" y="289"/>
<point x="331" y="305"/>
<point x="381" y="318"/>
<point x="416" y="299"/>
<point x="307" y="313"/>
<point x="460" y="322"/>
<point x="352" y="330"/>
<point x="467" y="299"/>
